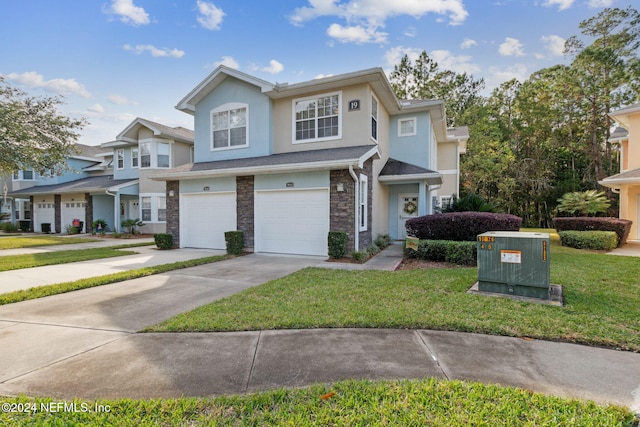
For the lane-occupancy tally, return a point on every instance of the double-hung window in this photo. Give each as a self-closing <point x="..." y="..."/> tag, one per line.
<point x="163" y="154"/>
<point x="145" y="154"/>
<point x="229" y="124"/>
<point x="146" y="208"/>
<point x="317" y="118"/>
<point x="134" y="157"/>
<point x="162" y="208"/>
<point x="120" y="159"/>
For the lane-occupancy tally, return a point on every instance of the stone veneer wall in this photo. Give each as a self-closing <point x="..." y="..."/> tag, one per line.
<point x="57" y="202"/>
<point x="245" y="209"/>
<point x="341" y="205"/>
<point x="33" y="208"/>
<point x="173" y="212"/>
<point x="88" y="213"/>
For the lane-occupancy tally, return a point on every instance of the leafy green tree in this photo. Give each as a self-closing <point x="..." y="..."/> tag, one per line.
<point x="33" y="134"/>
<point x="584" y="203"/>
<point x="423" y="79"/>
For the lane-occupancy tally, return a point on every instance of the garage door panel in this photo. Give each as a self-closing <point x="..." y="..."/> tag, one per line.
<point x="292" y="221"/>
<point x="205" y="218"/>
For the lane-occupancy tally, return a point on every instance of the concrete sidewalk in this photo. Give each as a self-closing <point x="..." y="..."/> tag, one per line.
<point x="102" y="243"/>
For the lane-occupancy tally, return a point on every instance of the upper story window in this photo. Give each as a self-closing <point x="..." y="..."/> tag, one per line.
<point x="374" y="118"/>
<point x="120" y="159"/>
<point x="134" y="157"/>
<point x="407" y="127"/>
<point x="229" y="124"/>
<point x="155" y="154"/>
<point x="318" y="118"/>
<point x="24" y="175"/>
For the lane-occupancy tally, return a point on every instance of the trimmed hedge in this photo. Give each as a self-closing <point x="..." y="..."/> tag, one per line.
<point x="621" y="227"/>
<point x="337" y="242"/>
<point x="454" y="252"/>
<point x="460" y="226"/>
<point x="163" y="240"/>
<point x="235" y="242"/>
<point x="597" y="240"/>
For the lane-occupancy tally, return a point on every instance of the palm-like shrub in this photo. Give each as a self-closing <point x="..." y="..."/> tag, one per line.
<point x="584" y="203"/>
<point x="131" y="224"/>
<point x="471" y="203"/>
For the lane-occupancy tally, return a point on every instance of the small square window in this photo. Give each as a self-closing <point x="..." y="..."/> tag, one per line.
<point x="407" y="127"/>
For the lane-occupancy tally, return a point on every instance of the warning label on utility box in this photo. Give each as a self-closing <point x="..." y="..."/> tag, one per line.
<point x="511" y="257"/>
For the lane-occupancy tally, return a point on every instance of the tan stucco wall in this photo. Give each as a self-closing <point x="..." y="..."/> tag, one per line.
<point x="629" y="209"/>
<point x="144" y="133"/>
<point x="355" y="124"/>
<point x="633" y="154"/>
<point x="447" y="156"/>
<point x="149" y="186"/>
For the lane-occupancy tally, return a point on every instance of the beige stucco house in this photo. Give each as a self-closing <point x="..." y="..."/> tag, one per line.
<point x="627" y="182"/>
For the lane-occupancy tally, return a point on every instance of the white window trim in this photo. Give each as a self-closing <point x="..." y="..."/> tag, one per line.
<point x="442" y="198"/>
<point x="137" y="156"/>
<point x="119" y="152"/>
<point x="153" y="153"/>
<point x="363" y="201"/>
<point x="21" y="175"/>
<point x="377" y="117"/>
<point x="316" y="139"/>
<point x="415" y="126"/>
<point x="154" y="207"/>
<point x="220" y="109"/>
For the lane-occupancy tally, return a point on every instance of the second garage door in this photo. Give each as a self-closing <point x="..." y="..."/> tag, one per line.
<point x="292" y="221"/>
<point x="205" y="217"/>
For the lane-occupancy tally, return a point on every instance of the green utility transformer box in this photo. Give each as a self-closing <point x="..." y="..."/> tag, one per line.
<point x="514" y="263"/>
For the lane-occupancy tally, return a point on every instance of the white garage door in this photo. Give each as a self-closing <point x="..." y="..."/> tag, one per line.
<point x="292" y="221"/>
<point x="73" y="210"/>
<point x="44" y="213"/>
<point x="205" y="217"/>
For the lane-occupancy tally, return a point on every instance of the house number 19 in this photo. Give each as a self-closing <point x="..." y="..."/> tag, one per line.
<point x="354" y="105"/>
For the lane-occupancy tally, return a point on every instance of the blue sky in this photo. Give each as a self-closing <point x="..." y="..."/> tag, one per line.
<point x="114" y="60"/>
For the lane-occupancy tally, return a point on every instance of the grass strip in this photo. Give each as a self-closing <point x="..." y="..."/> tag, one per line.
<point x="16" y="262"/>
<point x="33" y="241"/>
<point x="350" y="403"/>
<point x="602" y="303"/>
<point x="60" y="288"/>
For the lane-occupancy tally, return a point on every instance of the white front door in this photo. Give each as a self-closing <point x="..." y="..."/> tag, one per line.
<point x="407" y="208"/>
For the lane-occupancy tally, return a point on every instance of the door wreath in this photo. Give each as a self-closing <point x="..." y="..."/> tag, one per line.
<point x="410" y="207"/>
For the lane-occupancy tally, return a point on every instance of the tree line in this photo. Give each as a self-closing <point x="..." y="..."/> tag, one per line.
<point x="533" y="141"/>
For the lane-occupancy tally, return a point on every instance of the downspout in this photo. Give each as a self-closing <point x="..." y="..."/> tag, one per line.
<point x="356" y="234"/>
<point x="116" y="210"/>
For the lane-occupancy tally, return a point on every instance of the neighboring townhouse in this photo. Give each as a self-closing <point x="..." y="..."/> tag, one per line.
<point x="287" y="163"/>
<point x="58" y="197"/>
<point x="143" y="148"/>
<point x="627" y="182"/>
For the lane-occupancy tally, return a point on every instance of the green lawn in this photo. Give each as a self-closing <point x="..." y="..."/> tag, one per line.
<point x="16" y="262"/>
<point x="348" y="403"/>
<point x="40" y="240"/>
<point x="602" y="295"/>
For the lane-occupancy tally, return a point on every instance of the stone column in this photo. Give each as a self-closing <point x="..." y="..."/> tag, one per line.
<point x="57" y="203"/>
<point x="342" y="209"/>
<point x="173" y="211"/>
<point x="245" y="209"/>
<point x="88" y="213"/>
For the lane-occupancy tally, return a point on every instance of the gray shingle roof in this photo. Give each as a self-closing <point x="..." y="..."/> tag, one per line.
<point x="85" y="185"/>
<point x="301" y="157"/>
<point x="633" y="174"/>
<point x="458" y="132"/>
<point x="619" y="132"/>
<point x="396" y="167"/>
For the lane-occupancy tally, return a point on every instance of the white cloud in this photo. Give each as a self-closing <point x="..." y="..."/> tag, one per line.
<point x="228" y="61"/>
<point x="364" y="18"/>
<point x="459" y="64"/>
<point x="562" y="4"/>
<point x="96" y="108"/>
<point x="117" y="99"/>
<point x="356" y="34"/>
<point x="600" y="3"/>
<point x="62" y="86"/>
<point x="394" y="55"/>
<point x="154" y="51"/>
<point x="511" y="47"/>
<point x="468" y="43"/>
<point x="497" y="76"/>
<point x="554" y="44"/>
<point x="410" y="32"/>
<point x="274" y="67"/>
<point x="210" y="16"/>
<point x="129" y="13"/>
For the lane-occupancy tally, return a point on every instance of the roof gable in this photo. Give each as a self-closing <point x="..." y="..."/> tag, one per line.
<point x="130" y="133"/>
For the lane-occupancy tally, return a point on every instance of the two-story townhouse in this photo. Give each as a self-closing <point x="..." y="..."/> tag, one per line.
<point x="58" y="197"/>
<point x="287" y="163"/>
<point x="627" y="182"/>
<point x="143" y="148"/>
